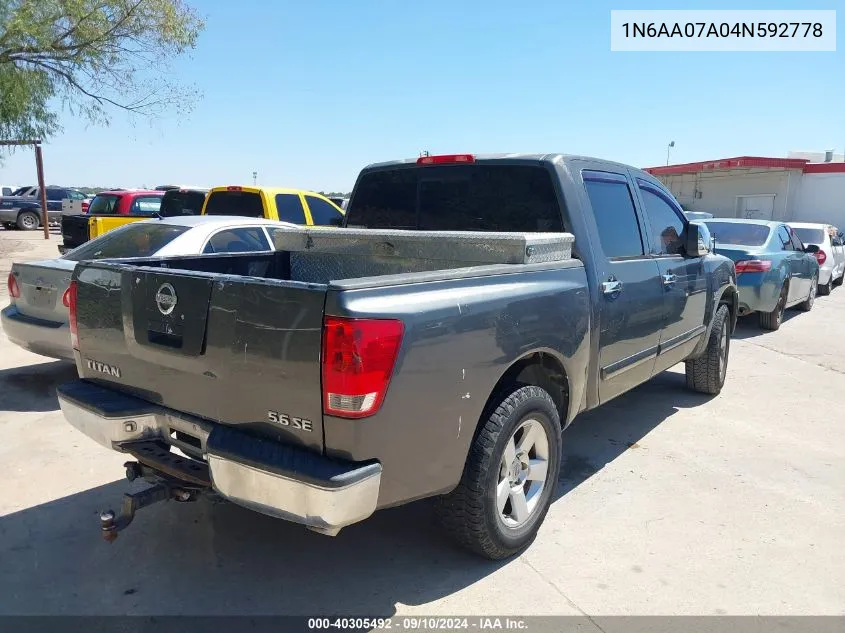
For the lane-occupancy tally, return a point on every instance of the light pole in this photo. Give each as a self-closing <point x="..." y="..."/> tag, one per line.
<point x="254" y="178"/>
<point x="669" y="147"/>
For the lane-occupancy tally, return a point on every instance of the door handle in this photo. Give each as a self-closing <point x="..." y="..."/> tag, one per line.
<point x="669" y="279"/>
<point x="611" y="287"/>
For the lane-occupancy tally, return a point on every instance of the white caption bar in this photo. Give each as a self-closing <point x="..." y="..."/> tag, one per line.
<point x="727" y="30"/>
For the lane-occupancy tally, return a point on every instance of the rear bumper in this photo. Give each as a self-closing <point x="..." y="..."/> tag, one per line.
<point x="48" y="338"/>
<point x="272" y="478"/>
<point x="754" y="295"/>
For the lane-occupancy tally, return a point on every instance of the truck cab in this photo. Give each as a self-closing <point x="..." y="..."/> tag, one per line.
<point x="273" y="203"/>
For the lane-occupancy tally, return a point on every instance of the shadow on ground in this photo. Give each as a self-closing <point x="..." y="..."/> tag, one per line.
<point x="749" y="326"/>
<point x="33" y="387"/>
<point x="217" y="558"/>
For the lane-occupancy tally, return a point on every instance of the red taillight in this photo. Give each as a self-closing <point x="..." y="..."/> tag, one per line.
<point x="446" y="158"/>
<point x="234" y="188"/>
<point x="69" y="299"/>
<point x="85" y="206"/>
<point x="14" y="289"/>
<point x="753" y="266"/>
<point x="358" y="359"/>
<point x="821" y="257"/>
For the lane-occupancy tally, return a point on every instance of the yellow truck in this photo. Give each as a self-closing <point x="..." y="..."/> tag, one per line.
<point x="274" y="203"/>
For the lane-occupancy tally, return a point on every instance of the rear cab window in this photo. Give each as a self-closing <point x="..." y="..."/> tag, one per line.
<point x="246" y="204"/>
<point x="104" y="204"/>
<point x="475" y="197"/>
<point x="141" y="239"/>
<point x="145" y="206"/>
<point x="176" y="203"/>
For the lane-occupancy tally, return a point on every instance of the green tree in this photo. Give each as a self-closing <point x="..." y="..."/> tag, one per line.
<point x="91" y="57"/>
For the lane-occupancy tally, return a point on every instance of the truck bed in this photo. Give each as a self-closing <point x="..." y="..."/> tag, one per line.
<point x="243" y="337"/>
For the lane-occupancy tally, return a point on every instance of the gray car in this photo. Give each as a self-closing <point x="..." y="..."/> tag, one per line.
<point x="37" y="317"/>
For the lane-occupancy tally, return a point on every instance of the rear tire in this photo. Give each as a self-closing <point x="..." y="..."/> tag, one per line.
<point x="707" y="373"/>
<point x="498" y="507"/>
<point x="28" y="221"/>
<point x="807" y="304"/>
<point x="824" y="289"/>
<point x="772" y="320"/>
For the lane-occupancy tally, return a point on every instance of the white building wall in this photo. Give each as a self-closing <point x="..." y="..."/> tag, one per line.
<point x="719" y="189"/>
<point x="821" y="198"/>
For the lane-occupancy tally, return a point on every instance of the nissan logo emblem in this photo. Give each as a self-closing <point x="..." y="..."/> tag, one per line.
<point x="166" y="298"/>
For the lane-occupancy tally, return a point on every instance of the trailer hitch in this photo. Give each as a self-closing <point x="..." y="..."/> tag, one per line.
<point x="111" y="525"/>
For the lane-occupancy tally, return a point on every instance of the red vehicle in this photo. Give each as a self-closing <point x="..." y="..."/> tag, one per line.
<point x="109" y="210"/>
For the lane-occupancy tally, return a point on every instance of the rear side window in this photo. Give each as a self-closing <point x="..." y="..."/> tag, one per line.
<point x="56" y="194"/>
<point x="666" y="223"/>
<point x="241" y="240"/>
<point x="140" y="239"/>
<point x="146" y="206"/>
<point x="243" y="203"/>
<point x="289" y="208"/>
<point x="104" y="204"/>
<point x="616" y="217"/>
<point x="478" y="197"/>
<point x="175" y="203"/>
<point x="323" y="213"/>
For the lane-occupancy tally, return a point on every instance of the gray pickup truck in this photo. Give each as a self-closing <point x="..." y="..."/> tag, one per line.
<point x="436" y="346"/>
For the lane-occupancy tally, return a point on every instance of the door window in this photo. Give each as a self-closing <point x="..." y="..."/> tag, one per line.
<point x="289" y="207"/>
<point x="785" y="239"/>
<point x="242" y="240"/>
<point x="667" y="224"/>
<point x="145" y="206"/>
<point x="616" y="217"/>
<point x="56" y="194"/>
<point x="323" y="213"/>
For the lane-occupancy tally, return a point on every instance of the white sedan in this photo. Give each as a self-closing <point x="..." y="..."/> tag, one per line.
<point x="37" y="317"/>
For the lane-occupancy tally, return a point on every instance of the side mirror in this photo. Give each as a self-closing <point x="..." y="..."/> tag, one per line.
<point x="811" y="248"/>
<point x="698" y="240"/>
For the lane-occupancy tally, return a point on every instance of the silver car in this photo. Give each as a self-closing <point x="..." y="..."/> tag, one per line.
<point x="37" y="317"/>
<point x="831" y="254"/>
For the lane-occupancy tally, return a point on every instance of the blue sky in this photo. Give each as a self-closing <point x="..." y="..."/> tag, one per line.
<point x="307" y="93"/>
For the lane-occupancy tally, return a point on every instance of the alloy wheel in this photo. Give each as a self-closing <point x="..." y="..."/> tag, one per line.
<point x="523" y="473"/>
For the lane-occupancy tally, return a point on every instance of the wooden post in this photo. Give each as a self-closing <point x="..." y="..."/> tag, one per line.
<point x="39" y="166"/>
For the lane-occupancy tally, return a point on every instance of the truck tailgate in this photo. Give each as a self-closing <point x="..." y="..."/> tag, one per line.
<point x="236" y="350"/>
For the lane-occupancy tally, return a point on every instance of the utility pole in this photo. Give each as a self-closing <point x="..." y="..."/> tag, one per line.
<point x="39" y="167"/>
<point x="669" y="147"/>
<point x="254" y="178"/>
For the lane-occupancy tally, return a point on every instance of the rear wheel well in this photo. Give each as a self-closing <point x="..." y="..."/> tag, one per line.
<point x="730" y="298"/>
<point x="538" y="369"/>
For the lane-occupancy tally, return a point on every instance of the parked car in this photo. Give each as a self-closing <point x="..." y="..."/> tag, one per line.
<point x="831" y="253"/>
<point x="774" y="270"/>
<point x="107" y="211"/>
<point x="359" y="369"/>
<point x="24" y="211"/>
<point x="697" y="215"/>
<point x="289" y="205"/>
<point x="183" y="201"/>
<point x="37" y="317"/>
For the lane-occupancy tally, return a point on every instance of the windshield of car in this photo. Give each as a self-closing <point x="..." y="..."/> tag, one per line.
<point x="181" y="203"/>
<point x="738" y="233"/>
<point x="103" y="204"/>
<point x="139" y="239"/>
<point x="243" y="203"/>
<point x="809" y="235"/>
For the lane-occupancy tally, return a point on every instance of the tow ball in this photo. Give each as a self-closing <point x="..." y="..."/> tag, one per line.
<point x="161" y="490"/>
